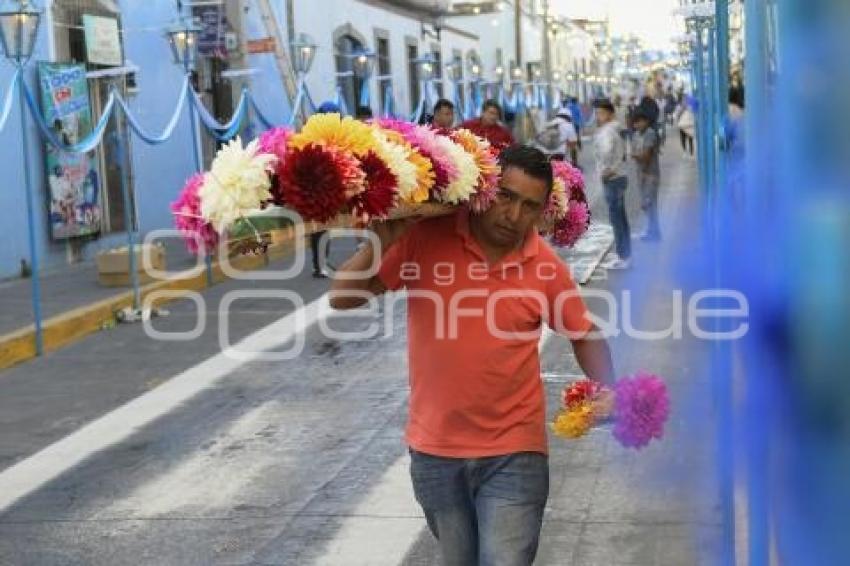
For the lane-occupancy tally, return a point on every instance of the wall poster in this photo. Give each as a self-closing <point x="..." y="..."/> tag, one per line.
<point x="73" y="179"/>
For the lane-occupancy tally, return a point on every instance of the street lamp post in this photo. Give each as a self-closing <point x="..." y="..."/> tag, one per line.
<point x="362" y="64"/>
<point x="475" y="72"/>
<point x="183" y="39"/>
<point x="18" y="33"/>
<point x="303" y="54"/>
<point x="425" y="70"/>
<point x="499" y="74"/>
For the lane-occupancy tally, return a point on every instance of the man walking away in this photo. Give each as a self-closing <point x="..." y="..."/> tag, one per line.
<point x="687" y="126"/>
<point x="609" y="158"/>
<point x="645" y="154"/>
<point x="559" y="138"/>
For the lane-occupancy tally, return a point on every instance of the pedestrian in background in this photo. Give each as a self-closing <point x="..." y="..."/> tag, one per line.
<point x="444" y="116"/>
<point x="578" y="119"/>
<point x="645" y="150"/>
<point x="686" y="123"/>
<point x="489" y="126"/>
<point x="559" y="139"/>
<point x="609" y="159"/>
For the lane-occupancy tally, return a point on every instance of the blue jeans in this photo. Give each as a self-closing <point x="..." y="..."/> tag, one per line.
<point x="483" y="511"/>
<point x="615" y="196"/>
<point x="648" y="185"/>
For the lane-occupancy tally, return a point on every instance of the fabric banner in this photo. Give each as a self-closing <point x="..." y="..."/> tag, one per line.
<point x="73" y="179"/>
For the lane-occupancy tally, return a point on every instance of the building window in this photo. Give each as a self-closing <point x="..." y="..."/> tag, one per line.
<point x="382" y="47"/>
<point x="438" y="69"/>
<point x="457" y="59"/>
<point x="413" y="75"/>
<point x="346" y="46"/>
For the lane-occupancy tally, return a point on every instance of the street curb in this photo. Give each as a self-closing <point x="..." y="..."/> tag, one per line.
<point x="64" y="329"/>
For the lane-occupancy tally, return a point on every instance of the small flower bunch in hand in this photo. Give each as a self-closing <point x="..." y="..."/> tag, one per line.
<point x="584" y="403"/>
<point x="639" y="406"/>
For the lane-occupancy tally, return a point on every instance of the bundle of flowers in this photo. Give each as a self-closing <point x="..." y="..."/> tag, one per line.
<point x="337" y="165"/>
<point x="639" y="405"/>
<point x="567" y="215"/>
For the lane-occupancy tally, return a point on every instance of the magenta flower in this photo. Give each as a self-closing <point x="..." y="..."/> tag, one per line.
<point x="571" y="227"/>
<point x="641" y="407"/>
<point x="573" y="179"/>
<point x="200" y="236"/>
<point x="274" y="140"/>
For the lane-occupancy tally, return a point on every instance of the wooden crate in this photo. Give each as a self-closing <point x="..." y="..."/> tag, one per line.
<point x="113" y="266"/>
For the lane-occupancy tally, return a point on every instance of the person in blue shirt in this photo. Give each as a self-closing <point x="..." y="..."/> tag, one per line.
<point x="578" y="120"/>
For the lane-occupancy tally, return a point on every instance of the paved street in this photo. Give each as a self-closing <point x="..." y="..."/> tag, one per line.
<point x="121" y="449"/>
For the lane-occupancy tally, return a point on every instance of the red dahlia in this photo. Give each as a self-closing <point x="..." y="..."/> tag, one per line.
<point x="316" y="181"/>
<point x="381" y="188"/>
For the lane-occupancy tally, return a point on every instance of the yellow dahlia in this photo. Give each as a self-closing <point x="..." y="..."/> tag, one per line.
<point x="574" y="422"/>
<point x="425" y="176"/>
<point x="558" y="203"/>
<point x="239" y="181"/>
<point x="346" y="133"/>
<point x="485" y="159"/>
<point x="396" y="157"/>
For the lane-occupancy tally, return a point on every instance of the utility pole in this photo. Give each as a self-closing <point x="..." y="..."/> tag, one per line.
<point x="547" y="52"/>
<point x="518" y="31"/>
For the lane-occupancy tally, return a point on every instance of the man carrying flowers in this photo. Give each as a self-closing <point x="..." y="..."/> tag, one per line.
<point x="477" y="422"/>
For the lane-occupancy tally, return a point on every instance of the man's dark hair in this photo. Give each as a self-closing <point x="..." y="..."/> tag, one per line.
<point x="530" y="161"/>
<point x="736" y="96"/>
<point x="640" y="114"/>
<point x="491" y="103"/>
<point x="443" y="103"/>
<point x="604" y="103"/>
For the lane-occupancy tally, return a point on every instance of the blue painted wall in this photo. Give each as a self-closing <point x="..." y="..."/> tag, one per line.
<point x="159" y="171"/>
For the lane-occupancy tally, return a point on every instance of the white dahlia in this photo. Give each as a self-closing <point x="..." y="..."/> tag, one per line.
<point x="238" y="182"/>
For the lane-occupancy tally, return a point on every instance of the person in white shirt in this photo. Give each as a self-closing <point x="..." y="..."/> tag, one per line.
<point x="610" y="148"/>
<point x="559" y="138"/>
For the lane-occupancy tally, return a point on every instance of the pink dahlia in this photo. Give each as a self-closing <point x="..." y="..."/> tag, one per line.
<point x="199" y="234"/>
<point x="571" y="227"/>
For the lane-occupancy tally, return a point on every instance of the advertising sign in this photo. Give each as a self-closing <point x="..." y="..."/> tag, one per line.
<point x="211" y="38"/>
<point x="73" y="180"/>
<point x="103" y="42"/>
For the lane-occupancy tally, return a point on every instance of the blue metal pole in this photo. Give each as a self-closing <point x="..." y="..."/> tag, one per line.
<point x="721" y="366"/>
<point x="34" y="277"/>
<point x="711" y="109"/>
<point x="758" y="446"/>
<point x="128" y="219"/>
<point x="721" y="25"/>
<point x="196" y="152"/>
<point x="700" y="119"/>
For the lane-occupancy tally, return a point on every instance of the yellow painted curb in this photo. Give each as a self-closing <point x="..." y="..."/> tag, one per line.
<point x="64" y="329"/>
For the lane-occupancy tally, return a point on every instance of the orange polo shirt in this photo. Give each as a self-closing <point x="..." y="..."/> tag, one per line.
<point x="473" y="334"/>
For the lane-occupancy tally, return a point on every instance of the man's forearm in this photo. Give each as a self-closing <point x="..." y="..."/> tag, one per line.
<point x="347" y="290"/>
<point x="594" y="357"/>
